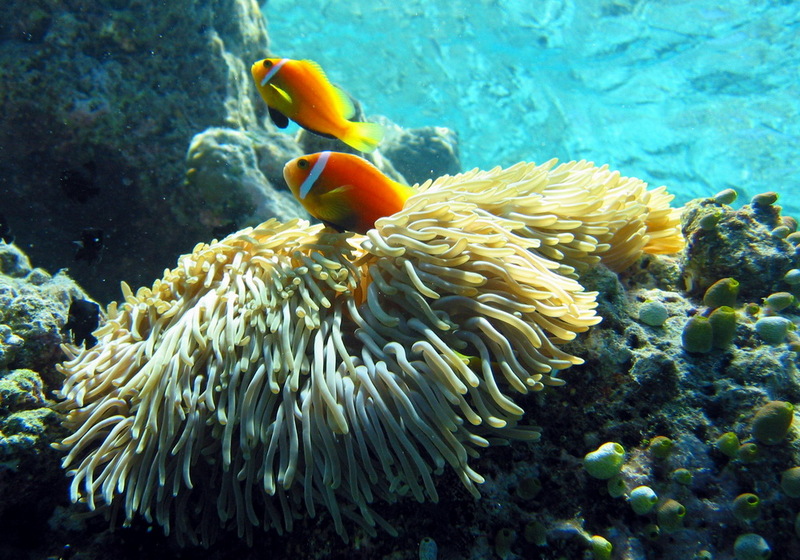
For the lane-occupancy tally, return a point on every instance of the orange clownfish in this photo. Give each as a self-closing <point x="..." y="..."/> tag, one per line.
<point x="299" y="90"/>
<point x="344" y="191"/>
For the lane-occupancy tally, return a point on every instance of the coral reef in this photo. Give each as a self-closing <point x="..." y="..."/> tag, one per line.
<point x="637" y="382"/>
<point x="107" y="124"/>
<point x="279" y="364"/>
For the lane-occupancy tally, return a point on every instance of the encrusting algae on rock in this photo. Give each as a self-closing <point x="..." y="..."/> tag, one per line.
<point x="287" y="369"/>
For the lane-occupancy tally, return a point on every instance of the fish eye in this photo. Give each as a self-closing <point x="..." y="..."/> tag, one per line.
<point x="267" y="64"/>
<point x="302" y="163"/>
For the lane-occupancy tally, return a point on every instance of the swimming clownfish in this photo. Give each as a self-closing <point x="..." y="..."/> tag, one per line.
<point x="344" y="191"/>
<point x="299" y="90"/>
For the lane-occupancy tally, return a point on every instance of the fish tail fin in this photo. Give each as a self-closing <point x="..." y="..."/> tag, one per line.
<point x="363" y="136"/>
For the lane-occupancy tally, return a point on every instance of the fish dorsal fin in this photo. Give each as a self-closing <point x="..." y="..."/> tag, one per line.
<point x="344" y="105"/>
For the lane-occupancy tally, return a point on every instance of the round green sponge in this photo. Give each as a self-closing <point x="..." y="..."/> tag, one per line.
<point x="751" y="547"/>
<point x="772" y="422"/>
<point x="670" y="515"/>
<point x="790" y="482"/>
<point x="605" y="461"/>
<point x="601" y="548"/>
<point x="643" y="499"/>
<point x="697" y="335"/>
<point x="746" y="507"/>
<point x="722" y="292"/>
<point x="773" y="330"/>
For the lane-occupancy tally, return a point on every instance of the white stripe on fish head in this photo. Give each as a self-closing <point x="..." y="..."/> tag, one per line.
<point x="316" y="171"/>
<point x="273" y="71"/>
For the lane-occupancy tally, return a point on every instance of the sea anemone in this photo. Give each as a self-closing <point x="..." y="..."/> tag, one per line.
<point x="288" y="368"/>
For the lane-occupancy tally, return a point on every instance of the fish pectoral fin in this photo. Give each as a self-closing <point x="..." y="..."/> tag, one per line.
<point x="335" y="206"/>
<point x="336" y="194"/>
<point x="280" y="120"/>
<point x="282" y="99"/>
<point x="282" y="93"/>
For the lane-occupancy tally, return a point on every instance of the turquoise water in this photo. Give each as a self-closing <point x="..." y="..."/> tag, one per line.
<point x="697" y="95"/>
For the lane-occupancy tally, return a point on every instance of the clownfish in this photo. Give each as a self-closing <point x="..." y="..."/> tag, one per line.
<point x="344" y="191"/>
<point x="300" y="91"/>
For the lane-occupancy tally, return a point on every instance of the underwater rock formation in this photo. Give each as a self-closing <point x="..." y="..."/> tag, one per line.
<point x="98" y="111"/>
<point x="749" y="244"/>
<point x="225" y="185"/>
<point x="29" y="485"/>
<point x="420" y="154"/>
<point x="34" y="308"/>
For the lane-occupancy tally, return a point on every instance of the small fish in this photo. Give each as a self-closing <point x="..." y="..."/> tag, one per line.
<point x="83" y="319"/>
<point x="5" y="230"/>
<point x="344" y="191"/>
<point x="80" y="183"/>
<point x="90" y="245"/>
<point x="300" y="91"/>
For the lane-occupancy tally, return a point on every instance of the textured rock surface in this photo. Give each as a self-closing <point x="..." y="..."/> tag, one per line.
<point x="740" y="245"/>
<point x="227" y="185"/>
<point x="103" y="98"/>
<point x="34" y="307"/>
<point x="30" y="481"/>
<point x="420" y="154"/>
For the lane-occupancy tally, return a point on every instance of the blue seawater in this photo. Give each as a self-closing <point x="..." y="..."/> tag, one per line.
<point x="693" y="94"/>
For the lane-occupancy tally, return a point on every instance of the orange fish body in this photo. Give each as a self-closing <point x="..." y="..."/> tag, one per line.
<point x="300" y="91"/>
<point x="344" y="191"/>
